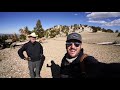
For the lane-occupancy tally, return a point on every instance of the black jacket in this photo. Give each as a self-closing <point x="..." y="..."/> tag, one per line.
<point x="34" y="51"/>
<point x="73" y="70"/>
<point x="93" y="68"/>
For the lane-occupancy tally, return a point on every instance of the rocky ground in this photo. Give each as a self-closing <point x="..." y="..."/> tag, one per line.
<point x="11" y="66"/>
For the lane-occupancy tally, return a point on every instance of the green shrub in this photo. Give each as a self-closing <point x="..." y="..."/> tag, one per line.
<point x="22" y="37"/>
<point x="52" y="34"/>
<point x="118" y="35"/>
<point x="94" y="30"/>
<point x="116" y="31"/>
<point x="110" y="31"/>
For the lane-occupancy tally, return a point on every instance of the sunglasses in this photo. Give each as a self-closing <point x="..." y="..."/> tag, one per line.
<point x="77" y="44"/>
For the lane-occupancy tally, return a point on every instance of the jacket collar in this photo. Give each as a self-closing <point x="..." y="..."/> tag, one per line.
<point x="32" y="43"/>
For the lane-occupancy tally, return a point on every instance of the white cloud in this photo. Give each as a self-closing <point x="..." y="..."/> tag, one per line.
<point x="87" y="12"/>
<point x="101" y="22"/>
<point x="104" y="23"/>
<point x="103" y="18"/>
<point x="113" y="23"/>
<point x="75" y="14"/>
<point x="103" y="15"/>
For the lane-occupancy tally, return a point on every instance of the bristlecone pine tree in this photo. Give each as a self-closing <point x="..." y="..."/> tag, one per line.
<point x="38" y="29"/>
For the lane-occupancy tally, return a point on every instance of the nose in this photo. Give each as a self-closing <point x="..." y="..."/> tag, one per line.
<point x="72" y="46"/>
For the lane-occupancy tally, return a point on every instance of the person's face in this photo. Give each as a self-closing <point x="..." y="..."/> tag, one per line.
<point x="73" y="47"/>
<point x="32" y="39"/>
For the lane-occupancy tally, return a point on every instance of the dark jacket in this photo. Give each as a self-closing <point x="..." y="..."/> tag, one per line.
<point x="93" y="68"/>
<point x="34" y="51"/>
<point x="73" y="70"/>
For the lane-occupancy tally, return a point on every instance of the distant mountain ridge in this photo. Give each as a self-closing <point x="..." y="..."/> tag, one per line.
<point x="2" y="34"/>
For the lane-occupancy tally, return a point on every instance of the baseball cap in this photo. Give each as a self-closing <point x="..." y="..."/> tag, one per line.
<point x="74" y="36"/>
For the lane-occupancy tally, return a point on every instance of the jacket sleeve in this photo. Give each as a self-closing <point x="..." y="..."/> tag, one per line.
<point x="93" y="67"/>
<point x="21" y="50"/>
<point x="91" y="60"/>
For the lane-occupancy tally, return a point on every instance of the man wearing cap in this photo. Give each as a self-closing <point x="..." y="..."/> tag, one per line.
<point x="34" y="52"/>
<point x="76" y="64"/>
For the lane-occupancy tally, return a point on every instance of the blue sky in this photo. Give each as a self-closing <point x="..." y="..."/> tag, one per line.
<point x="11" y="22"/>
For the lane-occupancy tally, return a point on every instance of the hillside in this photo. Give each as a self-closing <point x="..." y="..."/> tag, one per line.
<point x="62" y="31"/>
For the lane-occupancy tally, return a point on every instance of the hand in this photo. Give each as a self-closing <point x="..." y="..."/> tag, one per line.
<point x="43" y="57"/>
<point x="27" y="58"/>
<point x="48" y="65"/>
